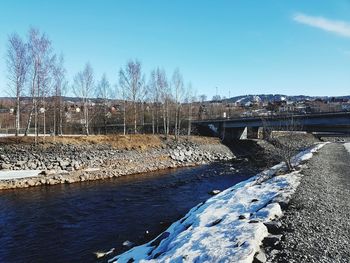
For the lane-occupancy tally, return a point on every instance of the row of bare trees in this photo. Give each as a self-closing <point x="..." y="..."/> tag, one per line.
<point x="35" y="71"/>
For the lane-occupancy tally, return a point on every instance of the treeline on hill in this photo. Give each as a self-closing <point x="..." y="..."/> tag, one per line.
<point x="37" y="80"/>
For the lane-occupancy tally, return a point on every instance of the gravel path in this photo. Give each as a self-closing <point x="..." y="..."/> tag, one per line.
<point x="316" y="225"/>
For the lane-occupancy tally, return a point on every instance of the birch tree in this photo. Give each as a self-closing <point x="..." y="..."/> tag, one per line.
<point x="17" y="67"/>
<point x="164" y="94"/>
<point x="153" y="98"/>
<point x="41" y="59"/>
<point x="190" y="98"/>
<point x="60" y="88"/>
<point x="104" y="93"/>
<point x="285" y="138"/>
<point x="132" y="81"/>
<point x="178" y="89"/>
<point x="83" y="87"/>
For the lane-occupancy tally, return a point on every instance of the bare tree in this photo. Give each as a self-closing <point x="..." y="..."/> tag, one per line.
<point x="154" y="99"/>
<point x="47" y="84"/>
<point x="203" y="98"/>
<point x="83" y="88"/>
<point x="41" y="59"/>
<point x="165" y="96"/>
<point x="104" y="93"/>
<point x="190" y="98"/>
<point x="285" y="139"/>
<point x="132" y="82"/>
<point x="60" y="88"/>
<point x="17" y="67"/>
<point x="178" y="88"/>
<point x="123" y="91"/>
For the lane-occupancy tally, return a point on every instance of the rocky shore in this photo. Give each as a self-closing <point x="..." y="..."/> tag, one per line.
<point x="315" y="225"/>
<point x="69" y="163"/>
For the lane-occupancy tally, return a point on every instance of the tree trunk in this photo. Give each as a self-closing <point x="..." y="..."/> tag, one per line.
<point x="168" y="119"/>
<point x="143" y="117"/>
<point x="153" y="127"/>
<point x="36" y="121"/>
<point x="176" y="121"/>
<point x="86" y="118"/>
<point x="179" y="122"/>
<point x="164" y="120"/>
<point x="135" y="116"/>
<point x="44" y="118"/>
<point x="55" y="118"/>
<point x="17" y="115"/>
<point x="124" y="118"/>
<point x="189" y="119"/>
<point x="61" y="118"/>
<point x="157" y="119"/>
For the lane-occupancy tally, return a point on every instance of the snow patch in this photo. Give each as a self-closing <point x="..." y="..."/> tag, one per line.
<point x="347" y="146"/>
<point x="228" y="227"/>
<point x="9" y="175"/>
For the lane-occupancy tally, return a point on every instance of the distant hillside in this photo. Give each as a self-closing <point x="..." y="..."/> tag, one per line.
<point x="279" y="97"/>
<point x="243" y="99"/>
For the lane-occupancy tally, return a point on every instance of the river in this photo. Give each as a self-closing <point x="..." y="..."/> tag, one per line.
<point x="68" y="222"/>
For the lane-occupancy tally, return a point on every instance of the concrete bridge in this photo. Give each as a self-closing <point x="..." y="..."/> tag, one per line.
<point x="320" y="124"/>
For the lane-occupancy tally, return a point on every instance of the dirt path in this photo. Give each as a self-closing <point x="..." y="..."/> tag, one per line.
<point x="316" y="225"/>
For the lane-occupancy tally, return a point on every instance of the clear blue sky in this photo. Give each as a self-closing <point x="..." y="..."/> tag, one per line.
<point x="240" y="46"/>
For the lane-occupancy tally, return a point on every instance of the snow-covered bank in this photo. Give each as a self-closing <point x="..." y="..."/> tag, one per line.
<point x="9" y="175"/>
<point x="228" y="227"/>
<point x="347" y="146"/>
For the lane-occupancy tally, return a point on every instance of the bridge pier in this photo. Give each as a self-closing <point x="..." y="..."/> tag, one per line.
<point x="229" y="134"/>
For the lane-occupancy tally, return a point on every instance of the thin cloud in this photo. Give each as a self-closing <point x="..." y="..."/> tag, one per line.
<point x="334" y="26"/>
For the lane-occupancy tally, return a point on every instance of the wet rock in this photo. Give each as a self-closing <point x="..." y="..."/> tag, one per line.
<point x="272" y="240"/>
<point x="274" y="227"/>
<point x="128" y="244"/>
<point x="260" y="257"/>
<point x="214" y="192"/>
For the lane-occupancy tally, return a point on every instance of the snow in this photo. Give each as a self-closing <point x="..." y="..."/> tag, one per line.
<point x="347" y="146"/>
<point x="213" y="232"/>
<point x="8" y="175"/>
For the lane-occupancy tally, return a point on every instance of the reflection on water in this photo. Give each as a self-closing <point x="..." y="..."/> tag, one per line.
<point x="67" y="223"/>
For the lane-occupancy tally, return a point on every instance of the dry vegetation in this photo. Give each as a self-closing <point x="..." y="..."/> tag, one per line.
<point x="141" y="142"/>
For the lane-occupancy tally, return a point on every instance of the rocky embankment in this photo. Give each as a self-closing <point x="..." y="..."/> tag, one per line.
<point x="69" y="163"/>
<point x="316" y="226"/>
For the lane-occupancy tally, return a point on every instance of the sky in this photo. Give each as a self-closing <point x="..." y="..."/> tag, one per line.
<point x="232" y="47"/>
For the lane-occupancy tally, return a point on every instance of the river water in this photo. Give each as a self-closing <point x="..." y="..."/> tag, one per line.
<point x="68" y="222"/>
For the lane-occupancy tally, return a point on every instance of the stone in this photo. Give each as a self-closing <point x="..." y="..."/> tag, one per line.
<point x="64" y="163"/>
<point x="76" y="166"/>
<point x="188" y="153"/>
<point x="6" y="166"/>
<point x="128" y="243"/>
<point x="68" y="180"/>
<point x="272" y="240"/>
<point x="32" y="165"/>
<point x="274" y="227"/>
<point x="260" y="257"/>
<point x="214" y="192"/>
<point x="20" y="163"/>
<point x="31" y="182"/>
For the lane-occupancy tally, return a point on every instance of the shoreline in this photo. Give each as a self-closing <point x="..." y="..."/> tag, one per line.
<point x="245" y="214"/>
<point x="106" y="163"/>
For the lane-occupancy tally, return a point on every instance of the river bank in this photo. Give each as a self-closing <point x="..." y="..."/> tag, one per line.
<point x="230" y="227"/>
<point x="316" y="225"/>
<point x="69" y="162"/>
